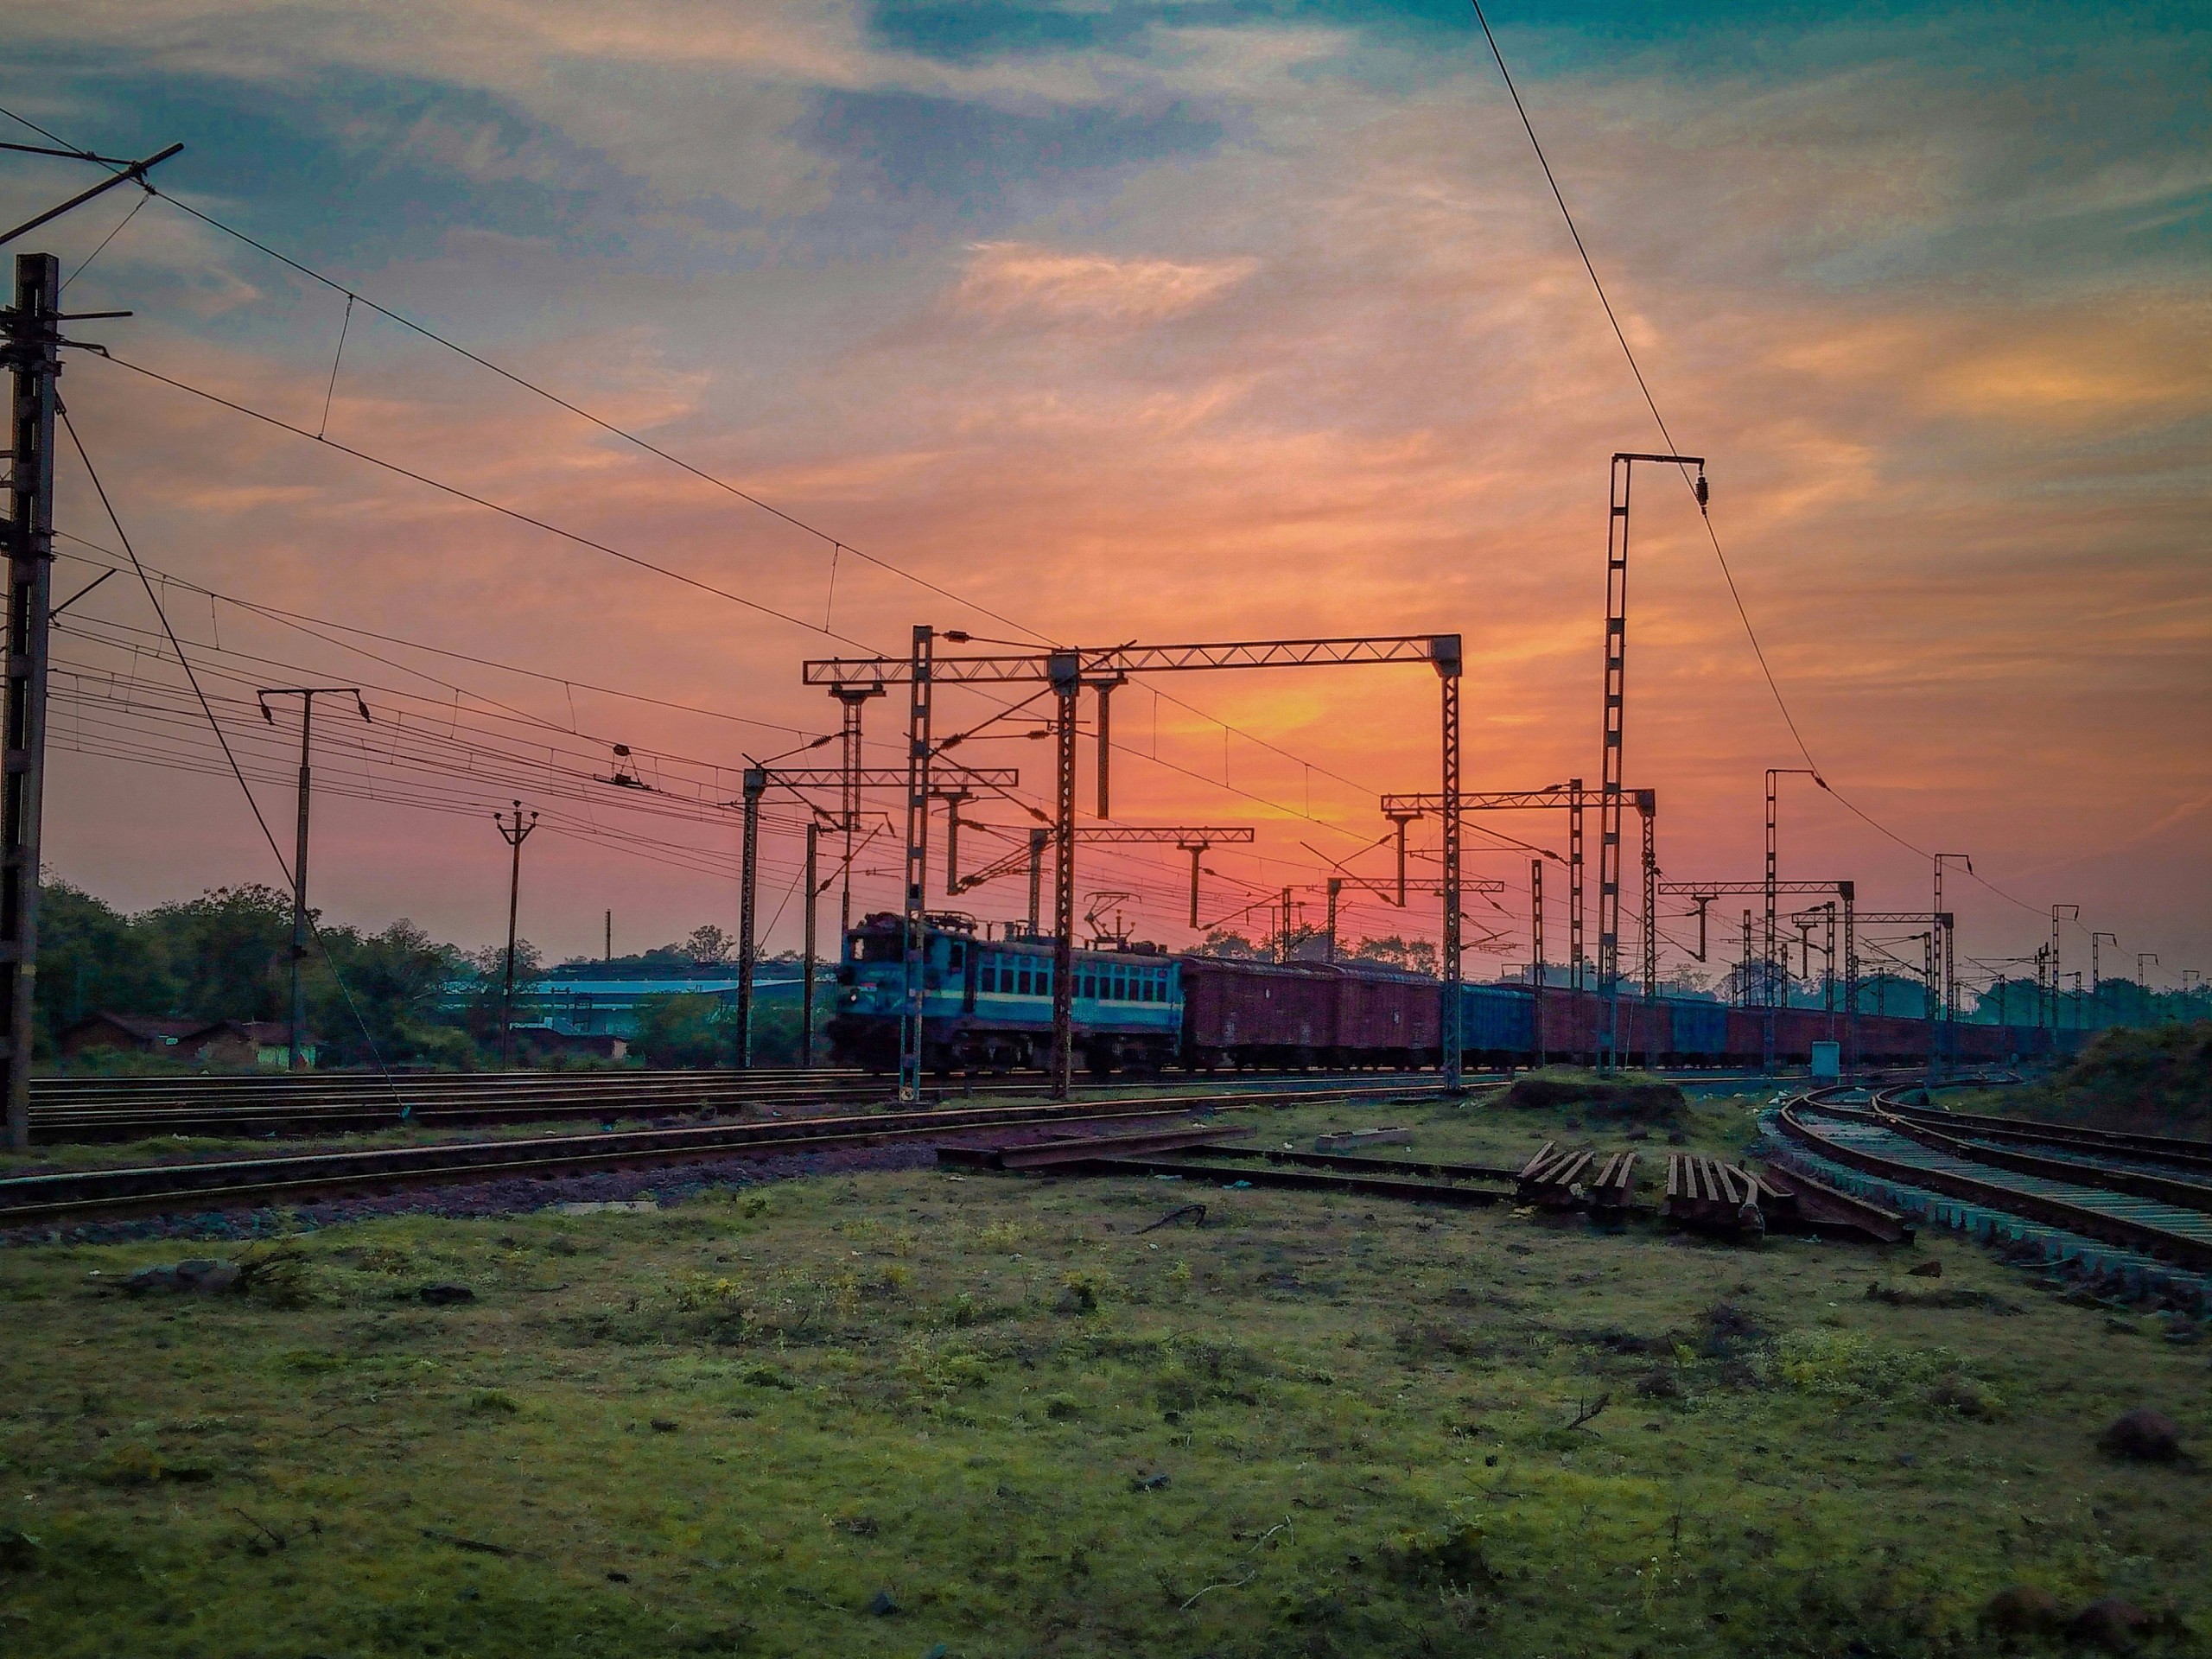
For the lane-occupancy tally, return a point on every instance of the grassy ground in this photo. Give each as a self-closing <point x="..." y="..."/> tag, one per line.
<point x="994" y="1411"/>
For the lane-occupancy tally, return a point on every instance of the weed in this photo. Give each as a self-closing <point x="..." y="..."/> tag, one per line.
<point x="492" y="1402"/>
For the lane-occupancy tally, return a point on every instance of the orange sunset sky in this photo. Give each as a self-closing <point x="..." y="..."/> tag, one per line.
<point x="1142" y="322"/>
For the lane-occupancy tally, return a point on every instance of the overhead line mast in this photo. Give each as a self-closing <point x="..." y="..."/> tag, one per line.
<point x="1064" y="672"/>
<point x="1610" y="787"/>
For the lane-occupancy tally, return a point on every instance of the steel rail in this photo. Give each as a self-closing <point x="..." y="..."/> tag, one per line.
<point x="2186" y="1153"/>
<point x="2164" y="1189"/>
<point x="709" y="1093"/>
<point x="40" y="1199"/>
<point x="2067" y="1202"/>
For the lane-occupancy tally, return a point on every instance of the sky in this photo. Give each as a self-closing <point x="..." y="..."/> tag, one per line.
<point x="1107" y="322"/>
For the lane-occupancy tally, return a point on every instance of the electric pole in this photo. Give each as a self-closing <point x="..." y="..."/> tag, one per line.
<point x="806" y="972"/>
<point x="33" y="346"/>
<point x="1950" y="948"/>
<point x="514" y="835"/>
<point x="1610" y="787"/>
<point x="307" y="695"/>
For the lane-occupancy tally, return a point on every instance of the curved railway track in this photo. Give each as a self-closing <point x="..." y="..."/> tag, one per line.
<point x="2083" y="1184"/>
<point x="47" y="1199"/>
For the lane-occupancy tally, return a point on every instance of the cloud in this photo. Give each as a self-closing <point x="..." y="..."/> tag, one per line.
<point x="1013" y="279"/>
<point x="1334" y="369"/>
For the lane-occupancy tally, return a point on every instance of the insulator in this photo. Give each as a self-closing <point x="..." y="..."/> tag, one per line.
<point x="1704" y="493"/>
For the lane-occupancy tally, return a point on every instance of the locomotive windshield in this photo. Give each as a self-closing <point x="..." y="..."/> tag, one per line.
<point x="878" y="947"/>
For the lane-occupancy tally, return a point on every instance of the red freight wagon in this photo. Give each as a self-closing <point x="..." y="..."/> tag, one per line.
<point x="1574" y="1025"/>
<point x="1296" y="1014"/>
<point x="1385" y="1018"/>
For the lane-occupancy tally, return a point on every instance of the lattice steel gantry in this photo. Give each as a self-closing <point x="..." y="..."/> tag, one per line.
<point x="1065" y="671"/>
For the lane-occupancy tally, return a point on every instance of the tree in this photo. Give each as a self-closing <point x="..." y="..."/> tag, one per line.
<point x="392" y="985"/>
<point x="708" y="943"/>
<point x="1227" y="942"/>
<point x="683" y="1030"/>
<point x="228" y="953"/>
<point x="92" y="957"/>
<point x="1413" y="956"/>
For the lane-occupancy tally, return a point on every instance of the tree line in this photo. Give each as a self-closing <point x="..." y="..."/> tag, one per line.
<point x="371" y="996"/>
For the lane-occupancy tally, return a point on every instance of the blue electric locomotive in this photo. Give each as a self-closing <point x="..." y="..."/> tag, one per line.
<point x="986" y="1004"/>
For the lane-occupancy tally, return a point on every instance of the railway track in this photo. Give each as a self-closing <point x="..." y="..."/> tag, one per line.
<point x="48" y="1199"/>
<point x="132" y="1109"/>
<point x="77" y="1111"/>
<point x="2081" y="1185"/>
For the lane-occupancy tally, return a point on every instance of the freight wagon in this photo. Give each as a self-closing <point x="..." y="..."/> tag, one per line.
<point x="987" y="1005"/>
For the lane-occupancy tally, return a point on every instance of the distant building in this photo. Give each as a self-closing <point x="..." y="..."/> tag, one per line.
<point x="139" y="1033"/>
<point x="205" y="1042"/>
<point x="559" y="1005"/>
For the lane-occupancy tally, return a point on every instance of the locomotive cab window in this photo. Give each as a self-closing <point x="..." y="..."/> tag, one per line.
<point x="959" y="956"/>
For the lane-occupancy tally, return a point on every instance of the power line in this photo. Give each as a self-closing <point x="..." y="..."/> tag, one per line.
<point x="1644" y="386"/>
<point x="836" y="544"/>
<point x="337" y="977"/>
<point x="458" y="493"/>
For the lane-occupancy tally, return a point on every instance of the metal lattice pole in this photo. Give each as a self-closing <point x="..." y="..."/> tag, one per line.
<point x="1609" y="787"/>
<point x="1536" y="970"/>
<point x="914" y="888"/>
<point x="748" y="900"/>
<point x="1448" y="1027"/>
<point x="1578" y="903"/>
<point x="811" y="946"/>
<point x="1064" y="672"/>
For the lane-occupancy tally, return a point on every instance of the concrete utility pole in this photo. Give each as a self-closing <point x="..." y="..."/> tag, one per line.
<point x="32" y="339"/>
<point x="31" y="347"/>
<point x="514" y="835"/>
<point x="307" y="695"/>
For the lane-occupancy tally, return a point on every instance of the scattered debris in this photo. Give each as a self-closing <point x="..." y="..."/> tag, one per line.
<point x="644" y="1204"/>
<point x="445" y="1295"/>
<point x="1197" y="1212"/>
<point x="19" y="1551"/>
<point x="883" y="1603"/>
<point x="1149" y="1483"/>
<point x="1930" y="1268"/>
<point x="270" y="1539"/>
<point x="662" y="1425"/>
<point x="2143" y="1436"/>
<point x="1586" y="1413"/>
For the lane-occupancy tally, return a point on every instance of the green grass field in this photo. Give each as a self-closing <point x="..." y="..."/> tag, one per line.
<point x="915" y="1413"/>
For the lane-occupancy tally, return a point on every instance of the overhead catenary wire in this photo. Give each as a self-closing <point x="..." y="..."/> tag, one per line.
<point x="836" y="544"/>
<point x="1644" y="386"/>
<point x="153" y="598"/>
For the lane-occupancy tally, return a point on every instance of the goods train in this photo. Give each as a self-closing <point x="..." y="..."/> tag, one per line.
<point x="987" y="1005"/>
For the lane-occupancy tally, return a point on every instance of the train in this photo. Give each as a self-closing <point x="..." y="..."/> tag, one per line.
<point x="987" y="1005"/>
